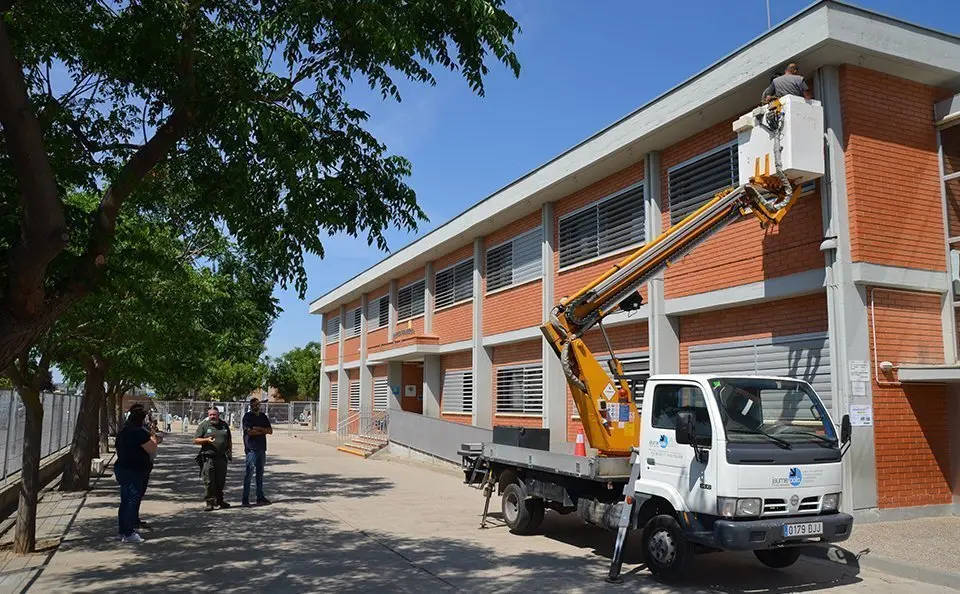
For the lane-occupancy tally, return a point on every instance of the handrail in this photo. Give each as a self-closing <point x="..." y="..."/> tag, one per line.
<point x="364" y="423"/>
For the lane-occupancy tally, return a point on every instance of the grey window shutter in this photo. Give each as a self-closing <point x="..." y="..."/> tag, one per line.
<point x="693" y="184"/>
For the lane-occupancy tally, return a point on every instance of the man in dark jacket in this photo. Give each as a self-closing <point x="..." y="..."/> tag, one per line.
<point x="216" y="448"/>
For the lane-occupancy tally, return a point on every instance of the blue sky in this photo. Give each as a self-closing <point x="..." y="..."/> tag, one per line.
<point x="584" y="65"/>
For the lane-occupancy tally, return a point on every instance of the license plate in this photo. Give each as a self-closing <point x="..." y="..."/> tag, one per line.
<point x="808" y="529"/>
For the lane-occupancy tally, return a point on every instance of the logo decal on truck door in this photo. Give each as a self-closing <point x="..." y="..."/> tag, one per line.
<point x="663" y="441"/>
<point x="796" y="477"/>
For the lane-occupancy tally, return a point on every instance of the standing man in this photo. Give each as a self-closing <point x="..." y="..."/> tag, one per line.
<point x="788" y="83"/>
<point x="216" y="448"/>
<point x="256" y="428"/>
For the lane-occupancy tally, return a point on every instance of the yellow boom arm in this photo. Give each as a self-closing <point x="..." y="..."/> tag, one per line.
<point x="607" y="410"/>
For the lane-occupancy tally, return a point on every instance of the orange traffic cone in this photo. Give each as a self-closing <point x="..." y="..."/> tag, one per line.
<point x="580" y="449"/>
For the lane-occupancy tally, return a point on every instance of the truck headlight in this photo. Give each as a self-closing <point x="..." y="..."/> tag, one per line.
<point x="730" y="507"/>
<point x="830" y="502"/>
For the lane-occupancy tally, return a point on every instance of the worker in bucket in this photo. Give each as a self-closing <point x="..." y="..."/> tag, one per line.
<point x="788" y="83"/>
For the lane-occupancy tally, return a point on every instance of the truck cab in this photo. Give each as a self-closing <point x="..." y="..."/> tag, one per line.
<point x="745" y="463"/>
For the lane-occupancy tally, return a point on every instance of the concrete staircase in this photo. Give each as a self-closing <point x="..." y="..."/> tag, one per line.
<point x="364" y="445"/>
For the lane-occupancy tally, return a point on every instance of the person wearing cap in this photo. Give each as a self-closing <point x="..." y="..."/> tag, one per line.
<point x="256" y="427"/>
<point x="216" y="449"/>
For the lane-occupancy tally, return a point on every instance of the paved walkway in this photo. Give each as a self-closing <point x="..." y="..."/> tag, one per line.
<point x="343" y="524"/>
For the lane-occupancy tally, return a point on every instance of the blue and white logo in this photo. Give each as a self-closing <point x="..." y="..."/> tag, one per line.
<point x="663" y="441"/>
<point x="796" y="477"/>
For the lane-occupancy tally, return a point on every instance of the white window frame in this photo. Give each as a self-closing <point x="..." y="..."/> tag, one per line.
<point x="381" y="393"/>
<point x="334" y="394"/>
<point x="465" y="402"/>
<point x="413" y="316"/>
<point x="595" y="205"/>
<point x="514" y="282"/>
<point x="354" y="395"/>
<point x="436" y="285"/>
<point x="530" y="372"/>
<point x="355" y="319"/>
<point x="734" y="175"/>
<point x="333" y="337"/>
<point x="373" y="322"/>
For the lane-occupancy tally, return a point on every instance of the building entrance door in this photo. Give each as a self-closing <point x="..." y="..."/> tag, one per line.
<point x="411" y="392"/>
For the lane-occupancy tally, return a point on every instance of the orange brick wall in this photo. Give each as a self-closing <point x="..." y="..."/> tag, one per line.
<point x="454" y="257"/>
<point x="351" y="349"/>
<point x="377" y="337"/>
<point x="911" y="423"/>
<point x="628" y="338"/>
<point x="462" y="360"/>
<point x="574" y="278"/>
<point x="892" y="170"/>
<point x="519" y="353"/>
<point x="454" y="323"/>
<point x="742" y="252"/>
<point x="513" y="309"/>
<point x="786" y="317"/>
<point x="517" y="307"/>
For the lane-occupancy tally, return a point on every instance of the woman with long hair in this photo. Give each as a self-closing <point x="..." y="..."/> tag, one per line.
<point x="134" y="447"/>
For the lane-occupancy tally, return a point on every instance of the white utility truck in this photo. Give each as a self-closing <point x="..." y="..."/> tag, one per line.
<point x="697" y="462"/>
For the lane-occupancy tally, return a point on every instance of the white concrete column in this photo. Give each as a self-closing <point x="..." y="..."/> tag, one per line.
<point x="323" y="415"/>
<point x="393" y="310"/>
<point x="431" y="386"/>
<point x="663" y="331"/>
<point x="343" y="381"/>
<point x="366" y="374"/>
<point x="847" y="315"/>
<point x="482" y="357"/>
<point x="554" y="382"/>
<point x="429" y="290"/>
<point x="395" y="380"/>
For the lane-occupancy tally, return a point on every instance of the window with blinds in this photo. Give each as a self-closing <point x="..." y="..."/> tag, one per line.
<point x="454" y="284"/>
<point x="693" y="183"/>
<point x="333" y="329"/>
<point x="381" y="393"/>
<point x="516" y="261"/>
<point x="354" y="323"/>
<point x="410" y="301"/>
<point x="605" y="227"/>
<point x="457" y="394"/>
<point x="354" y="395"/>
<point x="334" y="394"/>
<point x="378" y="313"/>
<point x="520" y="390"/>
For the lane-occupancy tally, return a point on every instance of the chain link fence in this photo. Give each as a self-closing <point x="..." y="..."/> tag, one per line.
<point x="59" y="420"/>
<point x="185" y="415"/>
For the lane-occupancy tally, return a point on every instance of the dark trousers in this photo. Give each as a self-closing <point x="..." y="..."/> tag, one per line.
<point x="214" y="478"/>
<point x="131" y="483"/>
<point x="254" y="464"/>
<point x="143" y="492"/>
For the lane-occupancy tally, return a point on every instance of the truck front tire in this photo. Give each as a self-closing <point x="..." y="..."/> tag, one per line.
<point x="666" y="550"/>
<point x="522" y="515"/>
<point x="778" y="558"/>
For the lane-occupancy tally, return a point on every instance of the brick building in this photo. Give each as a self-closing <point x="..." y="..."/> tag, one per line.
<point x="854" y="292"/>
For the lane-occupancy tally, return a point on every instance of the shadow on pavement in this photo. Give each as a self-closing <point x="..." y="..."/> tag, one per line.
<point x="299" y="545"/>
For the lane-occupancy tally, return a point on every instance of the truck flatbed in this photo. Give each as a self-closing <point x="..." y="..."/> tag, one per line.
<point x="597" y="468"/>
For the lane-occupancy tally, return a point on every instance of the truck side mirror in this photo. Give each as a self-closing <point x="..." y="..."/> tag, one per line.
<point x="686" y="432"/>
<point x="844" y="429"/>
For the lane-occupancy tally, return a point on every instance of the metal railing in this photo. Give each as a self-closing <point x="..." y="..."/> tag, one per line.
<point x="436" y="437"/>
<point x="59" y="420"/>
<point x="367" y="423"/>
<point x="184" y="414"/>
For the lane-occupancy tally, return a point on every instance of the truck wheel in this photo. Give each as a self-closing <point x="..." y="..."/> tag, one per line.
<point x="778" y="558"/>
<point x="517" y="511"/>
<point x="665" y="549"/>
<point x="537" y="510"/>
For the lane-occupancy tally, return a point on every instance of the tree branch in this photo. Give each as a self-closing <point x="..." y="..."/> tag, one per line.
<point x="43" y="228"/>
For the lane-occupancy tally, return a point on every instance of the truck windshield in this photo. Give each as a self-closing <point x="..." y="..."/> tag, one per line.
<point x="761" y="410"/>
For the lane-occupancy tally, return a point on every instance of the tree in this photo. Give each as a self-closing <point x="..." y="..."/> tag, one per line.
<point x="296" y="373"/>
<point x="243" y="102"/>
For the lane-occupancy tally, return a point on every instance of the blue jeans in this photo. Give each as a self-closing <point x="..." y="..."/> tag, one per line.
<point x="254" y="463"/>
<point x="131" y="491"/>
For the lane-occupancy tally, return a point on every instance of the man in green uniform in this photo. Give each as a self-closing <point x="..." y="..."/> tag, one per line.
<point x="216" y="449"/>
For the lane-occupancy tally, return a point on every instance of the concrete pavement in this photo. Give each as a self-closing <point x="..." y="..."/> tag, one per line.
<point x="342" y="524"/>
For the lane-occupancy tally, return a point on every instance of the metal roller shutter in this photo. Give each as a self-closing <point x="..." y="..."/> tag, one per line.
<point x="801" y="356"/>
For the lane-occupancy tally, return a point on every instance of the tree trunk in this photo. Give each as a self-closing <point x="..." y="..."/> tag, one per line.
<point x="105" y="426"/>
<point x="25" y="537"/>
<point x="76" y="473"/>
<point x="112" y="403"/>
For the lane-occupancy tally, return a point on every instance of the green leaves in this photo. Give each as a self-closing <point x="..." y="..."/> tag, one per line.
<point x="296" y="373"/>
